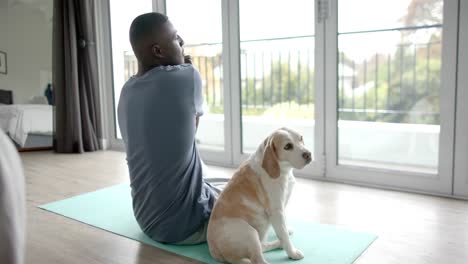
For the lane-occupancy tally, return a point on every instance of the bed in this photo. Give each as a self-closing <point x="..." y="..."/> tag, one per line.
<point x="30" y="126"/>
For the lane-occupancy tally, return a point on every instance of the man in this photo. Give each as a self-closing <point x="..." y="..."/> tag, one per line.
<point x="158" y="115"/>
<point x="12" y="204"/>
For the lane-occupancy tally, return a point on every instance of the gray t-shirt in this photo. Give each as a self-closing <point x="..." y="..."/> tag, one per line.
<point x="156" y="116"/>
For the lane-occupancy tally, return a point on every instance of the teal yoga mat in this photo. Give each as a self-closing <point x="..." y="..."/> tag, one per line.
<point x="111" y="209"/>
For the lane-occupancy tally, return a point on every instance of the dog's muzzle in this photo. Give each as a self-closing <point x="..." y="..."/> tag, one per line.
<point x="307" y="156"/>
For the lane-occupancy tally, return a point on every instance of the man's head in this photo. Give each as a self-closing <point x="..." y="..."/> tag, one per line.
<point x="155" y="41"/>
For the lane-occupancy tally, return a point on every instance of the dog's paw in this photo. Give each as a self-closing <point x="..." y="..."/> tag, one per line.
<point x="295" y="254"/>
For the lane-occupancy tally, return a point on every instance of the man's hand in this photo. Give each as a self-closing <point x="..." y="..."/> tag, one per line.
<point x="188" y="59"/>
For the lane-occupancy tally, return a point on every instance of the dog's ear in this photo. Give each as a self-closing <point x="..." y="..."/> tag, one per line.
<point x="270" y="159"/>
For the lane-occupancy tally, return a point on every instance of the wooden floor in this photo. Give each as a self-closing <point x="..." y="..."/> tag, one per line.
<point x="412" y="228"/>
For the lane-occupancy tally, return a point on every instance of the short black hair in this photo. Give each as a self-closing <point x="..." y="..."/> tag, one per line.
<point x="144" y="24"/>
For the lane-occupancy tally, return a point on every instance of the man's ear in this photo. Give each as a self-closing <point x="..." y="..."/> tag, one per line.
<point x="157" y="51"/>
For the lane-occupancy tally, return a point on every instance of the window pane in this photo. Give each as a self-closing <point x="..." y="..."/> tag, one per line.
<point x="388" y="84"/>
<point x="277" y="69"/>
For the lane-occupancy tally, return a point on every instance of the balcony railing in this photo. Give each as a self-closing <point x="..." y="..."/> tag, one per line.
<point x="398" y="87"/>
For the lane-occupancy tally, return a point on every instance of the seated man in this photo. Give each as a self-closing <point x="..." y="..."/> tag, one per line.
<point x="158" y="115"/>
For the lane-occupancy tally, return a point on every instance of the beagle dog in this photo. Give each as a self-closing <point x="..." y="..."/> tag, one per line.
<point x="255" y="198"/>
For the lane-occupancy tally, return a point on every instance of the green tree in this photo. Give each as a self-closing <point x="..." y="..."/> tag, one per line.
<point x="284" y="83"/>
<point x="408" y="81"/>
<point x="423" y="12"/>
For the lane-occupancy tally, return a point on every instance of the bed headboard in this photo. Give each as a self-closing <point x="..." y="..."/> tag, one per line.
<point x="6" y="97"/>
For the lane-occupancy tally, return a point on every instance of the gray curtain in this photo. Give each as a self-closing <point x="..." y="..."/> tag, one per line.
<point x="75" y="83"/>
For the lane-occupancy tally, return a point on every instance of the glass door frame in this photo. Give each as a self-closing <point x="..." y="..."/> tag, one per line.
<point x="461" y="148"/>
<point x="441" y="182"/>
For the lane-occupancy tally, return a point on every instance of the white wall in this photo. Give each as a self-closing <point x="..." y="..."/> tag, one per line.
<point x="26" y="37"/>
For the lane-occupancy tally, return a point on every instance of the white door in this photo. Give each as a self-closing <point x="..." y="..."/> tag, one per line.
<point x="390" y="93"/>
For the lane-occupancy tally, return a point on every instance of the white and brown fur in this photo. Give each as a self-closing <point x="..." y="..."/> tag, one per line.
<point x="254" y="199"/>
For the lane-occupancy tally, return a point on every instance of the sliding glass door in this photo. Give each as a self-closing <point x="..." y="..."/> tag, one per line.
<point x="369" y="84"/>
<point x="278" y="72"/>
<point x="277" y="69"/>
<point x="391" y="86"/>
